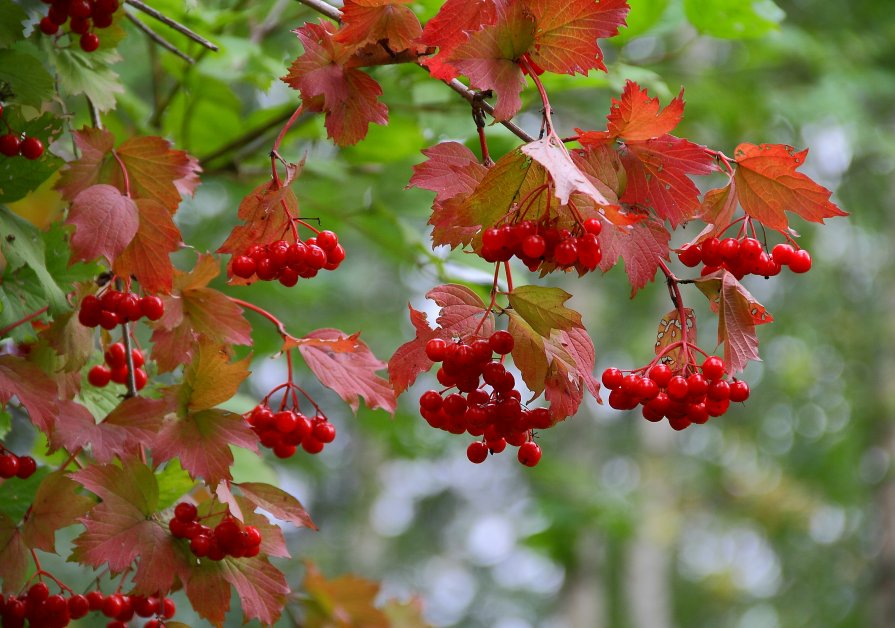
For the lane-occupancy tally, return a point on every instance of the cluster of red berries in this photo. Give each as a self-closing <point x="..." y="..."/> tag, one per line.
<point x="685" y="397"/>
<point x="115" y="369"/>
<point x="13" y="466"/>
<point x="496" y="415"/>
<point x="82" y="16"/>
<point x="114" y="308"/>
<point x="285" y="430"/>
<point x="537" y="242"/>
<point x="43" y="610"/>
<point x="12" y="144"/>
<point x="228" y="538"/>
<point x="743" y="257"/>
<point x="288" y="262"/>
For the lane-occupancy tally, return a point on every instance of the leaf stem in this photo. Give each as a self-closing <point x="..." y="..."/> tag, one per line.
<point x="127" y="181"/>
<point x="674" y="291"/>
<point x="281" y="328"/>
<point x="22" y="321"/>
<point x="548" y="119"/>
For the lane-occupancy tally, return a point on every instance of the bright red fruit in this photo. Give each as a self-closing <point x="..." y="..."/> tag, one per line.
<point x="99" y="376"/>
<point x="152" y="307"/>
<point x="9" y="144"/>
<point x="800" y="262"/>
<point x="27" y="467"/>
<point x="477" y="452"/>
<point x="713" y="368"/>
<point x="89" y="42"/>
<point x="529" y="454"/>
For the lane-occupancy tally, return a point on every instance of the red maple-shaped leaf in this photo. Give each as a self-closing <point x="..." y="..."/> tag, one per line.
<point x="56" y="505"/>
<point x="768" y="185"/>
<point x="738" y="314"/>
<point x="14" y="558"/>
<point x="490" y="57"/>
<point x="462" y="314"/>
<point x="638" y="117"/>
<point x="277" y="502"/>
<point x="261" y="588"/>
<point x="529" y="354"/>
<point x="640" y="246"/>
<point x="347" y="366"/>
<point x="348" y="96"/>
<point x="551" y="153"/>
<point x="194" y="311"/>
<point x="121" y="529"/>
<point x="450" y="27"/>
<point x="155" y="170"/>
<point x="566" y="39"/>
<point x="33" y="388"/>
<point x="105" y="222"/>
<point x="571" y="358"/>
<point x="375" y="21"/>
<point x="453" y="173"/>
<point x="147" y="257"/>
<point x="718" y="207"/>
<point x="134" y="422"/>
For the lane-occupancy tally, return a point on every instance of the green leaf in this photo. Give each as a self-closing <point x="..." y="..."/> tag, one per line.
<point x="11" y="18"/>
<point x="18" y="177"/>
<point x="88" y="74"/>
<point x="734" y="20"/>
<point x="173" y="483"/>
<point x="26" y="76"/>
<point x="22" y="245"/>
<point x="543" y="308"/>
<point x="5" y="422"/>
<point x="643" y="16"/>
<point x="16" y="496"/>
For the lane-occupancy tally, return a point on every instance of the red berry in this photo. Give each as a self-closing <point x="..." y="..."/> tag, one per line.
<point x="186" y="512"/>
<point x="28" y="465"/>
<point x="311" y="445"/>
<point x="534" y="246"/>
<point x="149" y="606"/>
<point x="501" y="342"/>
<point x="285" y="421"/>
<point x="119" y="375"/>
<point x="690" y="255"/>
<point x="243" y="266"/>
<point x="316" y="257"/>
<point x="593" y="225"/>
<point x="711" y="252"/>
<point x="137" y="358"/>
<point x="529" y="454"/>
<point x="431" y="401"/>
<point x="116" y="355"/>
<point x="782" y="253"/>
<point x="95" y="599"/>
<point x="739" y="391"/>
<point x="677" y="387"/>
<point x="565" y="253"/>
<point x="661" y="374"/>
<point x="79" y="25"/>
<point x="168" y="608"/>
<point x="38" y="592"/>
<point x="713" y="367"/>
<point x="102" y="20"/>
<point x="48" y="26"/>
<point x="327" y="240"/>
<point x="719" y="391"/>
<point x="477" y="452"/>
<point x="9" y="466"/>
<point x="78" y="606"/>
<point x="612" y="378"/>
<point x="89" y="42"/>
<point x="79" y="8"/>
<point x="729" y="249"/>
<point x="251" y="536"/>
<point x="140" y="379"/>
<point x="152" y="307"/>
<point x="99" y="376"/>
<point x="800" y="262"/>
<point x="113" y="605"/>
<point x="9" y="144"/>
<point x="200" y="545"/>
<point x="436" y="349"/>
<point x="750" y="250"/>
<point x="105" y="6"/>
<point x="58" y="13"/>
<point x="324" y="431"/>
<point x="129" y="307"/>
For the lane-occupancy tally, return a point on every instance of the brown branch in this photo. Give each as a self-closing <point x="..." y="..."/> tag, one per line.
<point x="167" y="21"/>
<point x="333" y="13"/>
<point x="158" y="39"/>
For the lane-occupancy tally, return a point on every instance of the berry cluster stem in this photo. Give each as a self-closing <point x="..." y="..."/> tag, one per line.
<point x="674" y="291"/>
<point x="281" y="328"/>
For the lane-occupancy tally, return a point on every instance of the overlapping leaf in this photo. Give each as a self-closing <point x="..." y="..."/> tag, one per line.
<point x="105" y="222"/>
<point x="641" y="246"/>
<point x="147" y="256"/>
<point x="277" y="502"/>
<point x="372" y="21"/>
<point x="450" y="27"/>
<point x="768" y="185"/>
<point x="636" y="116"/>
<point x="33" y="388"/>
<point x="344" y="601"/>
<point x="56" y="505"/>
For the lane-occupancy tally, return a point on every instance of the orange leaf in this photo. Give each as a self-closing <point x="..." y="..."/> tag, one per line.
<point x="638" y="117"/>
<point x="374" y="21"/>
<point x="147" y="257"/>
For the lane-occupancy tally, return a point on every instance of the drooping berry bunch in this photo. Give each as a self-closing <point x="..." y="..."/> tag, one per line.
<point x="486" y="403"/>
<point x="42" y="610"/>
<point x="13" y="466"/>
<point x="115" y="369"/>
<point x="287" y="262"/>
<point x="113" y="308"/>
<point x="13" y="144"/>
<point x="540" y="242"/>
<point x="83" y="17"/>
<point x="227" y="538"/>
<point x="744" y="256"/>
<point x="285" y="430"/>
<point x="685" y="397"/>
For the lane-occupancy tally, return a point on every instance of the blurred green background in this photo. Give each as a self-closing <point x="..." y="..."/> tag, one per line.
<point x="779" y="514"/>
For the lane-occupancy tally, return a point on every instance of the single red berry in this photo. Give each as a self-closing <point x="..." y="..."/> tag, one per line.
<point x="89" y="42"/>
<point x="593" y="225"/>
<point x="56" y="605"/>
<point x="311" y="445"/>
<point x="430" y="400"/>
<point x="243" y="266"/>
<point x="58" y="13"/>
<point x="739" y="391"/>
<point x="28" y="465"/>
<point x="713" y="368"/>
<point x="152" y="307"/>
<point x="129" y="307"/>
<point x="180" y="529"/>
<point x="119" y="375"/>
<point x="612" y="378"/>
<point x="327" y="240"/>
<point x="285" y="421"/>
<point x="324" y="431"/>
<point x="782" y="253"/>
<point x="168" y="608"/>
<point x="185" y="512"/>
<point x="137" y="358"/>
<point x="697" y="386"/>
<point x="800" y="262"/>
<point x="690" y="255"/>
<point x="9" y="466"/>
<point x="227" y="532"/>
<point x="534" y="246"/>
<point x="105" y="6"/>
<point x="79" y="25"/>
<point x="501" y="342"/>
<point x="140" y="379"/>
<point x="750" y="250"/>
<point x="711" y="252"/>
<point x="436" y="349"/>
<point x="566" y="252"/>
<point x="661" y="374"/>
<point x="9" y="144"/>
<point x="477" y="452"/>
<point x="316" y="257"/>
<point x="38" y="592"/>
<point x="79" y="8"/>
<point x="95" y="599"/>
<point x="78" y="606"/>
<point x="719" y="390"/>
<point x="284" y="450"/>
<point x="200" y="545"/>
<point x="334" y="257"/>
<point x="251" y="536"/>
<point x="99" y="376"/>
<point x="529" y="454"/>
<point x="48" y="26"/>
<point x="729" y="249"/>
<point x="677" y="388"/>
<point x="148" y="606"/>
<point x="153" y="623"/>
<point x="116" y="355"/>
<point x="102" y="20"/>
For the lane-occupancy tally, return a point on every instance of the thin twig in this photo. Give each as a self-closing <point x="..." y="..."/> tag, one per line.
<point x="161" y="41"/>
<point x="180" y="28"/>
<point x="333" y="13"/>
<point x="253" y="136"/>
<point x="94" y="114"/>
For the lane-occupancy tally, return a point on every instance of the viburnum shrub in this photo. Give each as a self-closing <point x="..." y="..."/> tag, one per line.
<point x="77" y="293"/>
